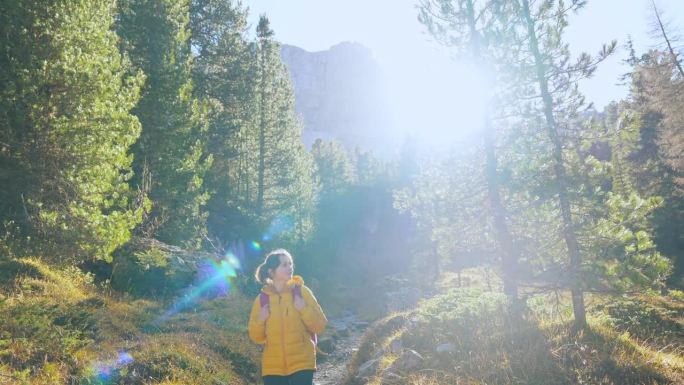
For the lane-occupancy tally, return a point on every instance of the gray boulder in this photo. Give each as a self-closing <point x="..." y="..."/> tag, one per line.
<point x="368" y="369"/>
<point x="408" y="362"/>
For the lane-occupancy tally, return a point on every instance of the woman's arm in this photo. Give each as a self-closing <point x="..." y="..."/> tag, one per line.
<point x="257" y="329"/>
<point x="312" y="314"/>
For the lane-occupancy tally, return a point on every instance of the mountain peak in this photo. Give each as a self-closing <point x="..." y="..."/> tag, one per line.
<point x="337" y="93"/>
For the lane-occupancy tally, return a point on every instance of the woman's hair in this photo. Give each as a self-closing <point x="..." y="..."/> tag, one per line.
<point x="271" y="262"/>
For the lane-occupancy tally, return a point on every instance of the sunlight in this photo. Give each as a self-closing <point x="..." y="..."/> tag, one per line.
<point x="279" y="225"/>
<point x="426" y="93"/>
<point x="455" y="213"/>
<point x="436" y="100"/>
<point x="214" y="279"/>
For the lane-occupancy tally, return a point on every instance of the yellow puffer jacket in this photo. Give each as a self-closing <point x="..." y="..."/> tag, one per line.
<point x="286" y="332"/>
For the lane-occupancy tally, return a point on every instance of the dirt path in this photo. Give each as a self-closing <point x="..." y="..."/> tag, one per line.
<point x="333" y="367"/>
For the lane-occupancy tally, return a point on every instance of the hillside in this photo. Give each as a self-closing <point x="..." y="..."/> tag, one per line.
<point x="58" y="327"/>
<point x="470" y="335"/>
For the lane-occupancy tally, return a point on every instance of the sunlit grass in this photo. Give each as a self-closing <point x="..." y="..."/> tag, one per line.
<point x="58" y="327"/>
<point x="493" y="345"/>
<point x="81" y="334"/>
<point x="33" y="276"/>
<point x="379" y="334"/>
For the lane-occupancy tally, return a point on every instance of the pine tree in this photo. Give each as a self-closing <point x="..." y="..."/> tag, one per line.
<point x="367" y="167"/>
<point x="560" y="194"/>
<point x="619" y="233"/>
<point x="664" y="89"/>
<point x="284" y="184"/>
<point x="622" y="133"/>
<point x="446" y="200"/>
<point x="223" y="78"/>
<point x="655" y="99"/>
<point x="593" y="220"/>
<point x="171" y="149"/>
<point x="65" y="129"/>
<point x="334" y="170"/>
<point x="555" y="79"/>
<point x="271" y="171"/>
<point x="474" y="30"/>
<point x="660" y="31"/>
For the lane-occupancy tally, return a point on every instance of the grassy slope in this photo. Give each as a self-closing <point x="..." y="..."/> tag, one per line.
<point x="632" y="340"/>
<point x="57" y="327"/>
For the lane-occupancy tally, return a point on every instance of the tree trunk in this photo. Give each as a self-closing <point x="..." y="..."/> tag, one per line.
<point x="503" y="236"/>
<point x="559" y="167"/>
<point x="670" y="50"/>
<point x="262" y="133"/>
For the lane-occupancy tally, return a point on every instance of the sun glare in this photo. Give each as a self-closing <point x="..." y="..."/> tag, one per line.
<point x="436" y="100"/>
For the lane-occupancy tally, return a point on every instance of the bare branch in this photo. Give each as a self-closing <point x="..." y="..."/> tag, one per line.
<point x="670" y="49"/>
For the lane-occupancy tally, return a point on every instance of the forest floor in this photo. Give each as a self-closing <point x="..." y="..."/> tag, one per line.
<point x="59" y="327"/>
<point x="472" y="335"/>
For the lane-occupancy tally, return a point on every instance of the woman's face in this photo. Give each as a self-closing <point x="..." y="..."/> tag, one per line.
<point x="283" y="272"/>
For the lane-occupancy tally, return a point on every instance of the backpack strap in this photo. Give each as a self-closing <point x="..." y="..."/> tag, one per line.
<point x="297" y="292"/>
<point x="263" y="299"/>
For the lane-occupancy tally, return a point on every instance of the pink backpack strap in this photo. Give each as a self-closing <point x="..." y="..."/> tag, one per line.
<point x="297" y="292"/>
<point x="263" y="299"/>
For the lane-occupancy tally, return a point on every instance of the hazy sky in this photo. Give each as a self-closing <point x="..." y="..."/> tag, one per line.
<point x="412" y="61"/>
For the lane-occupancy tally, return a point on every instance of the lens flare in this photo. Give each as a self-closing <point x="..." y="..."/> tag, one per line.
<point x="214" y="279"/>
<point x="105" y="371"/>
<point x="233" y="260"/>
<point x="278" y="226"/>
<point x="256" y="246"/>
<point x="124" y="359"/>
<point x="237" y="253"/>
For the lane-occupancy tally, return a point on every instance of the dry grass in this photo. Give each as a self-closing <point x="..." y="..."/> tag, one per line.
<point x="379" y="335"/>
<point x="641" y="342"/>
<point x="57" y="327"/>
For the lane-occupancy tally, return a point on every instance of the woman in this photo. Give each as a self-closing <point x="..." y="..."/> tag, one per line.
<point x="286" y="318"/>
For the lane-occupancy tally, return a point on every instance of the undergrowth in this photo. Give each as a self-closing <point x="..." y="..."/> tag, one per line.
<point x="476" y="336"/>
<point x="58" y="327"/>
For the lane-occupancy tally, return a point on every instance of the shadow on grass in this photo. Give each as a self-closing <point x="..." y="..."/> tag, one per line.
<point x="11" y="269"/>
<point x="595" y="357"/>
<point x="482" y="339"/>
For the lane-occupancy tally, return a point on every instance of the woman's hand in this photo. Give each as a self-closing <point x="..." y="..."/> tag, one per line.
<point x="299" y="302"/>
<point x="264" y="313"/>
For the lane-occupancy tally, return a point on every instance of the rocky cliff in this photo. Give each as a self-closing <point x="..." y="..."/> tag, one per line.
<point x="337" y="93"/>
